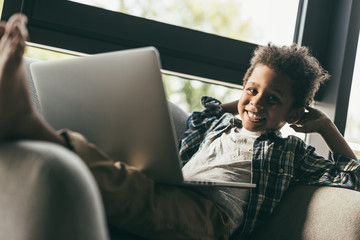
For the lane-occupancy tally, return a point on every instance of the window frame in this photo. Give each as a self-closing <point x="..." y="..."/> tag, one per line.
<point x="331" y="29"/>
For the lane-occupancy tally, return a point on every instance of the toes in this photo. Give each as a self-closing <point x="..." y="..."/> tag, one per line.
<point x="17" y="18"/>
<point x="13" y="36"/>
<point x="17" y="21"/>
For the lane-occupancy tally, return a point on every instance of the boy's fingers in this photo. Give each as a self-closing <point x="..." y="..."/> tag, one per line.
<point x="301" y="128"/>
<point x="295" y="127"/>
<point x="303" y="119"/>
<point x="309" y="108"/>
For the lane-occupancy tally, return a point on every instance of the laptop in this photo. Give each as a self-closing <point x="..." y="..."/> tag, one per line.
<point x="117" y="101"/>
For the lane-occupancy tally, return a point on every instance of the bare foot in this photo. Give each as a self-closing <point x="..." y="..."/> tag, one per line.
<point x="14" y="97"/>
<point x="18" y="119"/>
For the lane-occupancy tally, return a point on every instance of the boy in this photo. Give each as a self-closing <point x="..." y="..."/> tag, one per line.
<point x="279" y="85"/>
<point x="229" y="146"/>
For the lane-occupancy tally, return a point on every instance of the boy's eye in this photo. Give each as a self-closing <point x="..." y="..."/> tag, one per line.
<point x="251" y="91"/>
<point x="273" y="99"/>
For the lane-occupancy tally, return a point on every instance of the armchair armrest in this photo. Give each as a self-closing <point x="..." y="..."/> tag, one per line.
<point x="47" y="192"/>
<point x="314" y="212"/>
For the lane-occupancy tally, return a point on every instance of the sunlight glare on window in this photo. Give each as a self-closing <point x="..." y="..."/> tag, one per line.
<point x="256" y="21"/>
<point x="352" y="130"/>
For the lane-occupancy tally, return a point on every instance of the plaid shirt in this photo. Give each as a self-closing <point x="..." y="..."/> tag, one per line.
<point x="277" y="163"/>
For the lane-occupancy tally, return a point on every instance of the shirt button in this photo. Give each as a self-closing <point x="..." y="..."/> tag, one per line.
<point x="281" y="170"/>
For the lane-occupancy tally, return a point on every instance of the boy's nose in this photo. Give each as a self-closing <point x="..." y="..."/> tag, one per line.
<point x="258" y="101"/>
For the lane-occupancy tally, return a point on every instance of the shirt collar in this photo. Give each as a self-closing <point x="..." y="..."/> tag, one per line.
<point x="235" y="122"/>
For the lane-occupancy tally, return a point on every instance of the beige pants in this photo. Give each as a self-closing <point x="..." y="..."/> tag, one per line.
<point x="135" y="203"/>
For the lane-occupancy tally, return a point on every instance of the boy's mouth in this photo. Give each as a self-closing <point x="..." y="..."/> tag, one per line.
<point x="254" y="117"/>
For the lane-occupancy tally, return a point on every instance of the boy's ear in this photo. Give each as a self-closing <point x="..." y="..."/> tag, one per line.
<point x="295" y="115"/>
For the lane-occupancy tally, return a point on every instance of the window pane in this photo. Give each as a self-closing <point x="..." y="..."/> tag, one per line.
<point x="45" y="54"/>
<point x="352" y="130"/>
<point x="256" y="21"/>
<point x="186" y="93"/>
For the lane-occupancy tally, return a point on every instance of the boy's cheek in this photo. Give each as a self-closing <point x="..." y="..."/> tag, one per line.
<point x="239" y="108"/>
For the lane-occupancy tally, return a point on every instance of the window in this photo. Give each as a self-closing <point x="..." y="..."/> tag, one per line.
<point x="326" y="26"/>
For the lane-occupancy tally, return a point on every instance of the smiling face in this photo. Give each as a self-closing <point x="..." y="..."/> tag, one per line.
<point x="266" y="102"/>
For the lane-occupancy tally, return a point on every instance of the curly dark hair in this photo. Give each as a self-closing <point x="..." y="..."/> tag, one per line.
<point x="295" y="62"/>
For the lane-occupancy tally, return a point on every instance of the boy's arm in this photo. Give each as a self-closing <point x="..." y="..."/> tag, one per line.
<point x="316" y="121"/>
<point x="199" y="124"/>
<point x="231" y="107"/>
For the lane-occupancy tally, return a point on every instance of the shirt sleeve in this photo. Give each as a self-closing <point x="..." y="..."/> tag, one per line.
<point x="199" y="124"/>
<point x="337" y="171"/>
